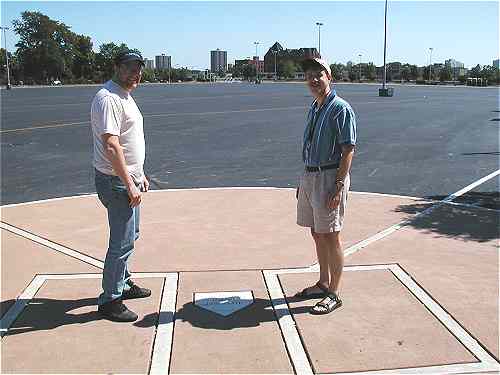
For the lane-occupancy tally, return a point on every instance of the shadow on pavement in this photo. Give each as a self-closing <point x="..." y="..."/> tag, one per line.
<point x="44" y="314"/>
<point x="465" y="223"/>
<point x="251" y="316"/>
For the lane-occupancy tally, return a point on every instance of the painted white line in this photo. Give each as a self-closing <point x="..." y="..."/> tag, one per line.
<point x="225" y="112"/>
<point x="48" y="200"/>
<point x="461" y="334"/>
<point x="295" y="346"/>
<point x="471" y="186"/>
<point x="351" y="250"/>
<point x="358" y="246"/>
<point x="11" y="315"/>
<point x="286" y="323"/>
<point x="469" y="368"/>
<point x="468" y="205"/>
<point x="389" y="195"/>
<point x="44" y="127"/>
<point x="160" y="361"/>
<point x="52" y="245"/>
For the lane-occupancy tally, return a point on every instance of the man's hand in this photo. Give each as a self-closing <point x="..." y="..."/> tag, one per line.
<point x="145" y="183"/>
<point x="334" y="200"/>
<point x="134" y="195"/>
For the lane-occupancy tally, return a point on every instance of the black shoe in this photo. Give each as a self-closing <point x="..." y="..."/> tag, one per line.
<point x="135" y="291"/>
<point x="117" y="311"/>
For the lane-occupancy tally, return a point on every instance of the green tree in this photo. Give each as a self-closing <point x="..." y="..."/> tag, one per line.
<point x="475" y="72"/>
<point x="248" y="71"/>
<point x="405" y="72"/>
<point x="45" y="47"/>
<point x="371" y="72"/>
<point x="445" y="74"/>
<point x="84" y="57"/>
<point x="337" y="71"/>
<point x="289" y="69"/>
<point x="104" y="59"/>
<point x="148" y="75"/>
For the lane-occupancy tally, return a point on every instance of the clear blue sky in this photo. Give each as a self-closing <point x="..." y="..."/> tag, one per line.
<point x="188" y="30"/>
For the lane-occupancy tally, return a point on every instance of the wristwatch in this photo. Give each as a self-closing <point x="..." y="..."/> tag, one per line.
<point x="339" y="182"/>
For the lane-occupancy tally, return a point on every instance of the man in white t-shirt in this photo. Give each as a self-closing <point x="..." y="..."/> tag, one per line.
<point x="119" y="152"/>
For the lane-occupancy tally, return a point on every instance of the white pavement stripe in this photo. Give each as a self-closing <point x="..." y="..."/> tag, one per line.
<point x="11" y="315"/>
<point x="294" y="345"/>
<point x="351" y="250"/>
<point x="160" y="361"/>
<point x="468" y="368"/>
<point x="471" y="186"/>
<point x="52" y="245"/>
<point x="45" y="127"/>
<point x="287" y="325"/>
<point x="224" y="112"/>
<point x="461" y="334"/>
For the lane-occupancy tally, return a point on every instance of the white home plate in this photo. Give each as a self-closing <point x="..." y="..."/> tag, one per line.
<point x="223" y="303"/>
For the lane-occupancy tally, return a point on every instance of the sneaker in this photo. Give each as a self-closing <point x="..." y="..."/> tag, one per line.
<point x="117" y="311"/>
<point x="135" y="291"/>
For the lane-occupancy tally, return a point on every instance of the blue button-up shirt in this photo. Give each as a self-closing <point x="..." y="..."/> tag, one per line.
<point x="327" y="128"/>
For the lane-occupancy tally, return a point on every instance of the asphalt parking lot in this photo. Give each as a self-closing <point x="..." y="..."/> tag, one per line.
<point x="423" y="142"/>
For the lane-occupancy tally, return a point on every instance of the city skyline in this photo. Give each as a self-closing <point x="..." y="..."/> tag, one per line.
<point x="188" y="31"/>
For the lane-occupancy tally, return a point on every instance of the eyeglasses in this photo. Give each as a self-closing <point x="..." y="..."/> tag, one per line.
<point x="312" y="74"/>
<point x="134" y="67"/>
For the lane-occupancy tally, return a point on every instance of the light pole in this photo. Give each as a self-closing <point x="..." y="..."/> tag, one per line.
<point x="4" y="29"/>
<point x="256" y="62"/>
<point x="319" y="24"/>
<point x="430" y="64"/>
<point x="359" y="67"/>
<point x="385" y="91"/>
<point x="275" y="72"/>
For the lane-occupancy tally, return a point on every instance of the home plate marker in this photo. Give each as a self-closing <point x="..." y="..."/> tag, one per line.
<point x="223" y="303"/>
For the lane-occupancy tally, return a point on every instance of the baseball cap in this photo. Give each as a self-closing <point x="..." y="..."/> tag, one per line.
<point x="126" y="56"/>
<point x="316" y="62"/>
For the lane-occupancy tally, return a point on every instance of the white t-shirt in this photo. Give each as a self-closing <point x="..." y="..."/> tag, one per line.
<point x="114" y="112"/>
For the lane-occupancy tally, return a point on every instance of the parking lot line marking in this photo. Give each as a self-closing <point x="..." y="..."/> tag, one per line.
<point x="45" y="127"/>
<point x="287" y="325"/>
<point x="52" y="245"/>
<point x="162" y="347"/>
<point x="298" y="351"/>
<point x="26" y="296"/>
<point x="386" y="232"/>
<point x="224" y="112"/>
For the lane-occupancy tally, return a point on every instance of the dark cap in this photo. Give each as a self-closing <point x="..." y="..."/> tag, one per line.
<point x="316" y="63"/>
<point x="126" y="56"/>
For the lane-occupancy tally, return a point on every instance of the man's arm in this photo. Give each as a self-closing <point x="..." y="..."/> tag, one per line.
<point x="342" y="171"/>
<point x="114" y="153"/>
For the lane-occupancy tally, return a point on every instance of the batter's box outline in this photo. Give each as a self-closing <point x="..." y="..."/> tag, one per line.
<point x="160" y="361"/>
<point x="486" y="362"/>
<point x="162" y="343"/>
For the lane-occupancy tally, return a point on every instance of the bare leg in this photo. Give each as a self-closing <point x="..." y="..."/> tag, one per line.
<point x="335" y="260"/>
<point x="322" y="252"/>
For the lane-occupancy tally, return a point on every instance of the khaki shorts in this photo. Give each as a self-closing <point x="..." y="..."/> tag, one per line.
<point x="314" y="192"/>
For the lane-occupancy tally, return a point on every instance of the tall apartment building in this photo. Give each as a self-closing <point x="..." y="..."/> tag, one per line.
<point x="218" y="61"/>
<point x="453" y="63"/>
<point x="149" y="63"/>
<point x="163" y="62"/>
<point x="496" y="63"/>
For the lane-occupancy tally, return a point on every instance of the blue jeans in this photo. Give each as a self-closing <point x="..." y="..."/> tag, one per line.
<point x="123" y="232"/>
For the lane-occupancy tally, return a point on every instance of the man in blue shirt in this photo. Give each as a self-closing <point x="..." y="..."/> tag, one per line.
<point x="328" y="150"/>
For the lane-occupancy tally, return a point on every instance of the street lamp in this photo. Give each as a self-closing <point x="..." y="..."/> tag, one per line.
<point x="275" y="75"/>
<point x="4" y="29"/>
<point x="430" y="64"/>
<point x="359" y="67"/>
<point x="385" y="91"/>
<point x="256" y="61"/>
<point x="319" y="24"/>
